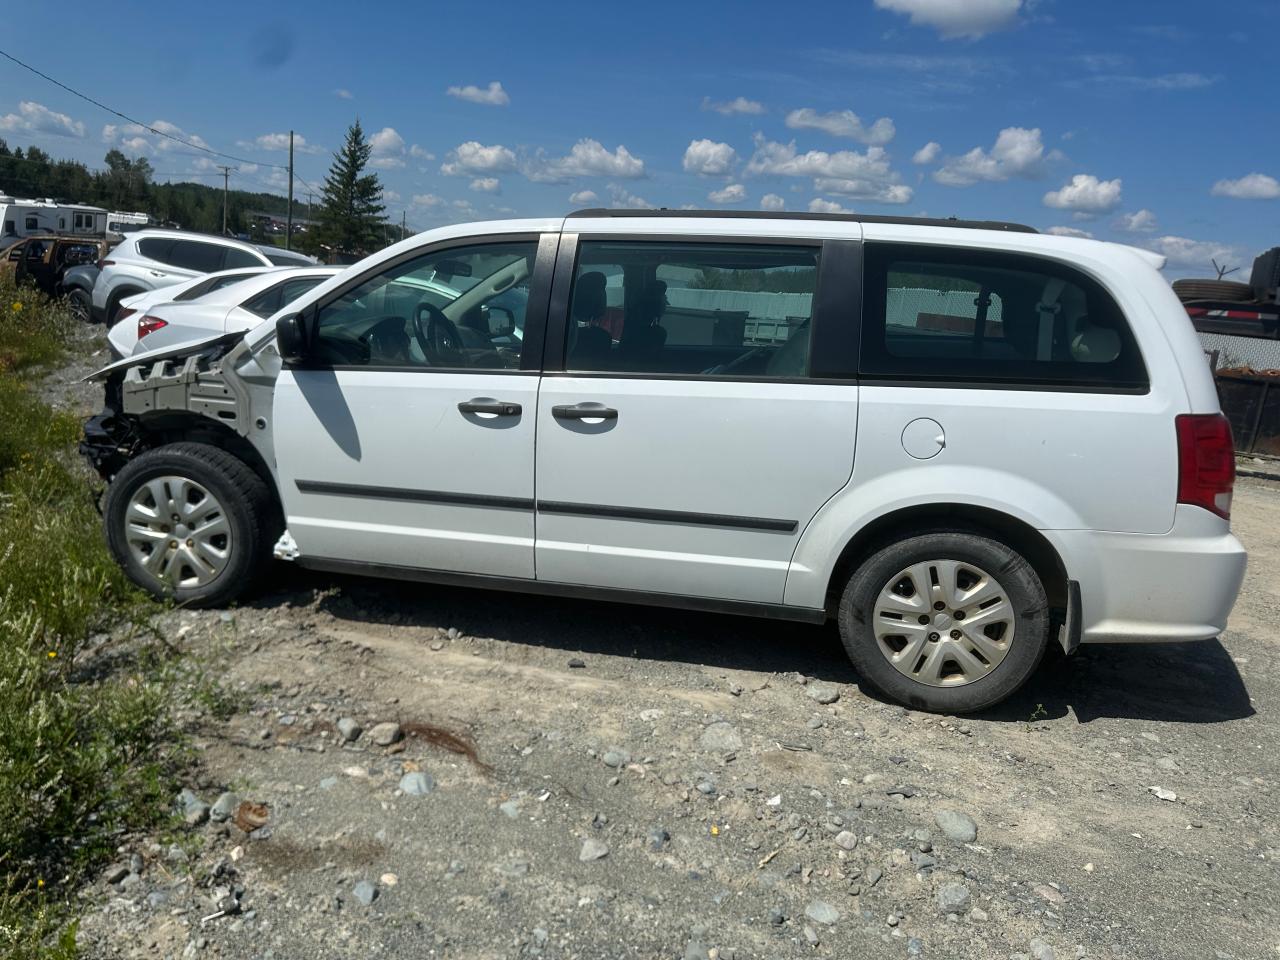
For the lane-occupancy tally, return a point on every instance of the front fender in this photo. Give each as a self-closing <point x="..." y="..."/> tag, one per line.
<point x="861" y="503"/>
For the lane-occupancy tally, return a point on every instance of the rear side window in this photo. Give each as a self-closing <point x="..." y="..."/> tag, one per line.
<point x="156" y="248"/>
<point x="951" y="315"/>
<point x="269" y="301"/>
<point x="733" y="310"/>
<point x="194" y="255"/>
<point x="237" y="258"/>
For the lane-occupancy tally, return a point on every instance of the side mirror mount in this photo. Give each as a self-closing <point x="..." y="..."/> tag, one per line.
<point x="291" y="338"/>
<point x="499" y="321"/>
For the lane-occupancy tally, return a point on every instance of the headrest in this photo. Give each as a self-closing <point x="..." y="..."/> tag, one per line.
<point x="589" y="298"/>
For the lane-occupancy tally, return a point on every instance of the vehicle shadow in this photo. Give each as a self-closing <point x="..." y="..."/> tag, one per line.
<point x="1173" y="682"/>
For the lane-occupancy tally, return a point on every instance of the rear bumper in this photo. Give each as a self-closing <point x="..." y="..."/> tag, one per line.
<point x="1143" y="588"/>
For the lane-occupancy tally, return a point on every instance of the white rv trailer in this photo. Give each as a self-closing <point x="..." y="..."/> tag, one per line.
<point x="25" y="218"/>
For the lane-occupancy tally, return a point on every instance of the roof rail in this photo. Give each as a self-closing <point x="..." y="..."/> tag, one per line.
<point x="775" y="215"/>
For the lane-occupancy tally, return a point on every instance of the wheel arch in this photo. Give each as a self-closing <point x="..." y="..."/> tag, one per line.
<point x="1017" y="534"/>
<point x="174" y="426"/>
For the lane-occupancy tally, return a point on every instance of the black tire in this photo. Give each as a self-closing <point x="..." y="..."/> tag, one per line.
<point x="113" y="304"/>
<point x="81" y="304"/>
<point x="1013" y="573"/>
<point x="1228" y="290"/>
<point x="245" y="501"/>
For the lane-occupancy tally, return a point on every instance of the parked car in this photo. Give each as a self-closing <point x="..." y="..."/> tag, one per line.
<point x="149" y="259"/>
<point x="220" y="303"/>
<point x="960" y="441"/>
<point x="45" y="260"/>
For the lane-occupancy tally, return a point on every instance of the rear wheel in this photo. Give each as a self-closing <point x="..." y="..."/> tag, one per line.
<point x="191" y="522"/>
<point x="80" y="303"/>
<point x="947" y="621"/>
<point x="113" y="304"/>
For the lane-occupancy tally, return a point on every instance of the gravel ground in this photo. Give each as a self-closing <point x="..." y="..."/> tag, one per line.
<point x="657" y="784"/>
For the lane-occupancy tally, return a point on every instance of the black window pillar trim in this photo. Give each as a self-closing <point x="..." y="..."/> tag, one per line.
<point x="837" y="312"/>
<point x="557" y="325"/>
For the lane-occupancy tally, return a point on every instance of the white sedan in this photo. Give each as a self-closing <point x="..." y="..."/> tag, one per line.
<point x="214" y="304"/>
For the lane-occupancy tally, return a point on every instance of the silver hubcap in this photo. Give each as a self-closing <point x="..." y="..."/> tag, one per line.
<point x="944" y="623"/>
<point x="178" y="532"/>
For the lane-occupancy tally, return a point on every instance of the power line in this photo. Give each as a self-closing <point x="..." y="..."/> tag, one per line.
<point x="145" y="126"/>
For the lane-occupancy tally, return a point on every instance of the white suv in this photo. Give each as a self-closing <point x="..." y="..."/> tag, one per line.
<point x="150" y="259"/>
<point x="960" y="441"/>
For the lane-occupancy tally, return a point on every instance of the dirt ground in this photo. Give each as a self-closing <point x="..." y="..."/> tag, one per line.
<point x="654" y="784"/>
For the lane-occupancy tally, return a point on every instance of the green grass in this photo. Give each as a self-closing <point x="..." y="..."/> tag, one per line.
<point x="86" y="750"/>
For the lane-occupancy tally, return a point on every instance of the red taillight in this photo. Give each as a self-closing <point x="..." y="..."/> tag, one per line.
<point x="148" y="325"/>
<point x="1206" y="462"/>
<point x="106" y="263"/>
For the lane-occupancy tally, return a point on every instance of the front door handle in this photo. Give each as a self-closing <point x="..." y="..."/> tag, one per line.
<point x="584" y="411"/>
<point x="500" y="408"/>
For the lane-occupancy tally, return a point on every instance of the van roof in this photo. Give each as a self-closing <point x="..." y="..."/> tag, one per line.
<point x="776" y="215"/>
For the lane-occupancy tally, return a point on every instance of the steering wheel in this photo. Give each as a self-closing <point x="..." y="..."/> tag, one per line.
<point x="439" y="339"/>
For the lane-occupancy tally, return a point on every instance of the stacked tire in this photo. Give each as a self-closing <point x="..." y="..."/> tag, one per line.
<point x="1228" y="291"/>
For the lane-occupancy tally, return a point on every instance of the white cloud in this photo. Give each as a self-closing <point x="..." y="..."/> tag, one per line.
<point x="771" y="201"/>
<point x="1182" y="252"/>
<point x="929" y="153"/>
<point x="390" y="196"/>
<point x="388" y="149"/>
<point x="842" y="123"/>
<point x="587" y="158"/>
<point x="1252" y="186"/>
<point x="1086" y="195"/>
<point x="782" y="159"/>
<point x="1144" y="221"/>
<point x="957" y="18"/>
<point x="818" y="205"/>
<point x="1018" y="152"/>
<point x="35" y="117"/>
<point x="421" y="153"/>
<point x="486" y="185"/>
<point x="861" y="189"/>
<point x="583" y="196"/>
<point x="620" y="197"/>
<point x="733" y="193"/>
<point x="736" y="105"/>
<point x="138" y="139"/>
<point x="492" y="95"/>
<point x="280" y="141"/>
<point x="428" y="200"/>
<point x="474" y="157"/>
<point x="709" y="158"/>
<point x="343" y="94"/>
<point x="1069" y="232"/>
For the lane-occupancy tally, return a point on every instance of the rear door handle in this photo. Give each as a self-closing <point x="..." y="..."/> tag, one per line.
<point x="584" y="411"/>
<point x="501" y="408"/>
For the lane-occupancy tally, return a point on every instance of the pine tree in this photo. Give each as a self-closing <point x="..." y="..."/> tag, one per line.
<point x="351" y="208"/>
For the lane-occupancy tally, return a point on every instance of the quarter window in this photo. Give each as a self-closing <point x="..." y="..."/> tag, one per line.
<point x="953" y="315"/>
<point x="282" y="294"/>
<point x="237" y="258"/>
<point x="732" y="310"/>
<point x="463" y="307"/>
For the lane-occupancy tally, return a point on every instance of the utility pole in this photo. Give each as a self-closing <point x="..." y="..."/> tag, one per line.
<point x="309" y="195"/>
<point x="402" y="233"/>
<point x="226" y="174"/>
<point x="288" y="230"/>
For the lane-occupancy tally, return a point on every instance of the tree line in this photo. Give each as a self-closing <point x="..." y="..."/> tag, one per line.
<point x="350" y="213"/>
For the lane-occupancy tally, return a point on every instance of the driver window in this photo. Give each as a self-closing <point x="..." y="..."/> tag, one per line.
<point x="459" y="308"/>
<point x="731" y="310"/>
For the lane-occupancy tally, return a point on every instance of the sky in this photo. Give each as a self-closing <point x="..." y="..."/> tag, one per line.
<point x="1145" y="123"/>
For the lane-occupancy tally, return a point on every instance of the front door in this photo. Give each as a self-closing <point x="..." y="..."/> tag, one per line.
<point x="407" y="438"/>
<point x="687" y="441"/>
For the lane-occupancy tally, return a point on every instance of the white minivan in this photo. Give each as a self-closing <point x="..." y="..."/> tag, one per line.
<point x="961" y="441"/>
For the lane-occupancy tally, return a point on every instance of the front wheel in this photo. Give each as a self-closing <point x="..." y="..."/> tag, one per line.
<point x="189" y="521"/>
<point x="946" y="621"/>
